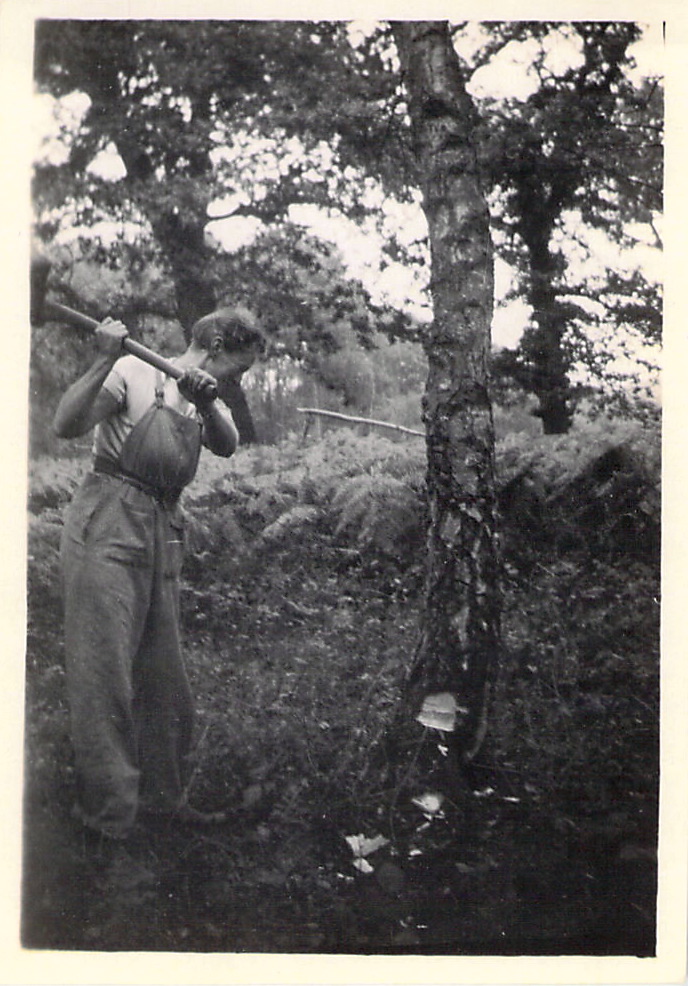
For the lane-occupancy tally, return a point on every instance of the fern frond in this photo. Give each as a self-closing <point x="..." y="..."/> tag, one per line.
<point x="290" y="522"/>
<point x="382" y="512"/>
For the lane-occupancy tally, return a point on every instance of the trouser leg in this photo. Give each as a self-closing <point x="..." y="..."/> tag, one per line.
<point x="163" y="701"/>
<point x="106" y="585"/>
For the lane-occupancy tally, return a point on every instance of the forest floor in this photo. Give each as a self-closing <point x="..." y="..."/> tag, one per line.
<point x="337" y="840"/>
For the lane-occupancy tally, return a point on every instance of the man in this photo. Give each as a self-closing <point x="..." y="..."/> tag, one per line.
<point x="121" y="554"/>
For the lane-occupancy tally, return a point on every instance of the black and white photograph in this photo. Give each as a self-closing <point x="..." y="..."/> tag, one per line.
<point x="345" y="434"/>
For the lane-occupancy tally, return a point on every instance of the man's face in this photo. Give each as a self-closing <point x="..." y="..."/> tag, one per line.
<point x="230" y="366"/>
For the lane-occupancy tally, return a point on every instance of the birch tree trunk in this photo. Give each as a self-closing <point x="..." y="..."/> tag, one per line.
<point x="459" y="639"/>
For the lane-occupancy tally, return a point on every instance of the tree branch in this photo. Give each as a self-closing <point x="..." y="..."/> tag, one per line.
<point x="360" y="421"/>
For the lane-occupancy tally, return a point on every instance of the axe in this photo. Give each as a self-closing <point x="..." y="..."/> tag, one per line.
<point x="43" y="308"/>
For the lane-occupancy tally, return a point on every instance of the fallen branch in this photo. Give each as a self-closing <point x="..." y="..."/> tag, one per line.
<point x="359" y="421"/>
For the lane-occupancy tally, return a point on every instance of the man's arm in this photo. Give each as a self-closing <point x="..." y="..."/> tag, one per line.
<point x="220" y="434"/>
<point x="86" y="403"/>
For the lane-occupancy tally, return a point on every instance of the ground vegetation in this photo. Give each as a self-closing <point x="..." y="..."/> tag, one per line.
<point x="301" y="604"/>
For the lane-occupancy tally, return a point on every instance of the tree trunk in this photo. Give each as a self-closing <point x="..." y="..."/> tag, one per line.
<point x="460" y="632"/>
<point x="547" y="360"/>
<point x="547" y="367"/>
<point x="181" y="240"/>
<point x="183" y="244"/>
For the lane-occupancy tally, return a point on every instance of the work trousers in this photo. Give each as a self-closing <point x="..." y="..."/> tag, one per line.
<point x="130" y="703"/>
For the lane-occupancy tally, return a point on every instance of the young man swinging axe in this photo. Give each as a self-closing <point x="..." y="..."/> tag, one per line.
<point x="121" y="554"/>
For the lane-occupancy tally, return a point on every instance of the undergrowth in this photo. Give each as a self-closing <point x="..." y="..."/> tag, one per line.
<point x="301" y="599"/>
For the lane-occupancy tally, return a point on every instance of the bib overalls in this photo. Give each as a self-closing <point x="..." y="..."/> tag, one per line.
<point x="121" y="555"/>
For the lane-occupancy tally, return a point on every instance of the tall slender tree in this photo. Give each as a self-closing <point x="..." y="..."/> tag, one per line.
<point x="460" y="632"/>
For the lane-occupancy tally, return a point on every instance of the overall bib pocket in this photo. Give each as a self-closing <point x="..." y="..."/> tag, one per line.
<point x="162" y="449"/>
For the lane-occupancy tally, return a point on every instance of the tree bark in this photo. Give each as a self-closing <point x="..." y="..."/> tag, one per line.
<point x="548" y="364"/>
<point x="546" y="373"/>
<point x="460" y="633"/>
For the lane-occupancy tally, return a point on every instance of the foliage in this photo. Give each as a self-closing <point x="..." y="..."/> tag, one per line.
<point x="297" y="285"/>
<point x="338" y="488"/>
<point x="580" y="689"/>
<point x="557" y="460"/>
<point x="384" y="512"/>
<point x="364" y="495"/>
<point x="282" y="114"/>
<point x="247" y="77"/>
<point x="52" y="482"/>
<point x="583" y="150"/>
<point x="298" y="638"/>
<point x="367" y="492"/>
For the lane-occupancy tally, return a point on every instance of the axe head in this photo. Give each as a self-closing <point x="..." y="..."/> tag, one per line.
<point x="38" y="284"/>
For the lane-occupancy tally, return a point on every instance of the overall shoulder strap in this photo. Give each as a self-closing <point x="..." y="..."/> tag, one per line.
<point x="159" y="389"/>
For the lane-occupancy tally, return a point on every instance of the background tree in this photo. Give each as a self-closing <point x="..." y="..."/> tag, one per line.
<point x="165" y="96"/>
<point x="198" y="110"/>
<point x="277" y="114"/>
<point x="586" y="147"/>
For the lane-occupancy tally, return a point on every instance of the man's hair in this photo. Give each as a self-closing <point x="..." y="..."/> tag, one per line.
<point x="237" y="326"/>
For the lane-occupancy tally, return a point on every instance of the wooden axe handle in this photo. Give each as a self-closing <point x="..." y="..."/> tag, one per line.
<point x="130" y="345"/>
